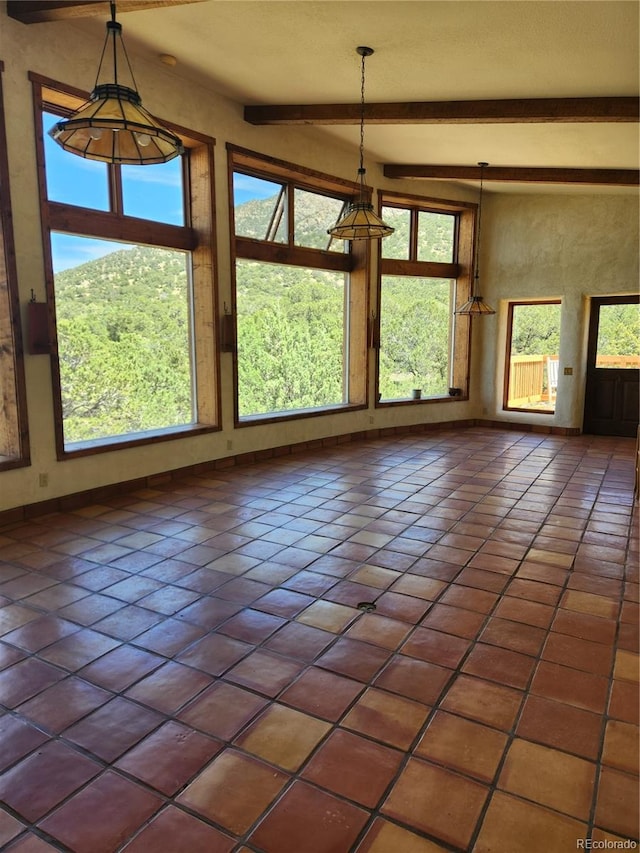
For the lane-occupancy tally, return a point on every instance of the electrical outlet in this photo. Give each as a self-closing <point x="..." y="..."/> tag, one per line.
<point x="43" y="480"/>
<point x="229" y="445"/>
<point x="370" y="419"/>
<point x="568" y="371"/>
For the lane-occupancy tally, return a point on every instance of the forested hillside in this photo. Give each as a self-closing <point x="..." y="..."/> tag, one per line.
<point x="124" y="331"/>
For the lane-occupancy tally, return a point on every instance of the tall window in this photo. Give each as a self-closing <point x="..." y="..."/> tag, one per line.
<point x="131" y="276"/>
<point x="14" y="443"/>
<point x="300" y="296"/>
<point x="423" y="275"/>
<point x="533" y="343"/>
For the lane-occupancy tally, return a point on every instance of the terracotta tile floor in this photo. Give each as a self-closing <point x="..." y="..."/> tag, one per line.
<point x="190" y="669"/>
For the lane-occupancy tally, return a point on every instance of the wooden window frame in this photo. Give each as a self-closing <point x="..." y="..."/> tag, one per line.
<point x="195" y="237"/>
<point x="512" y="304"/>
<point x="460" y="270"/>
<point x="14" y="434"/>
<point x="356" y="263"/>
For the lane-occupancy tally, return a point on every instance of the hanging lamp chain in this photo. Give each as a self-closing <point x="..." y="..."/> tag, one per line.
<point x="363" y="56"/>
<point x="477" y="273"/>
<point x="114" y="31"/>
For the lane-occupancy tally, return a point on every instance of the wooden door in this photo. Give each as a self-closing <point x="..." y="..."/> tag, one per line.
<point x="613" y="366"/>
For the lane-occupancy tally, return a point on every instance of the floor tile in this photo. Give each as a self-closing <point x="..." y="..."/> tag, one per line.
<point x="501" y="665"/>
<point x="79" y="649"/>
<point x="264" y="672"/>
<point x="385" y="837"/>
<point x="617" y="804"/>
<point x="436" y="801"/>
<point x="309" y="819"/>
<point x="120" y="668"/>
<point x="300" y="641"/>
<point x="103" y="815"/>
<point x="436" y="647"/>
<point x="621" y="746"/>
<point x="169" y="687"/>
<point x="43" y="779"/>
<point x="354" y="659"/>
<point x="18" y="739"/>
<point x="483" y="701"/>
<point x="524" y="827"/>
<point x="415" y="679"/>
<point x="379" y="630"/>
<point x="454" y="620"/>
<point x="581" y="689"/>
<point x="353" y="767"/>
<point x="170" y="824"/>
<point x="462" y="745"/>
<point x="561" y="725"/>
<point x="222" y="710"/>
<point x="214" y="654"/>
<point x="514" y="635"/>
<point x="283" y="736"/>
<point x="212" y="648"/>
<point x="549" y="777"/>
<point x="391" y="719"/>
<point x="328" y="616"/>
<point x="233" y="790"/>
<point x="169" y="757"/>
<point x="25" y="679"/>
<point x="402" y="607"/>
<point x="624" y="702"/>
<point x="64" y="703"/>
<point x="585" y="626"/>
<point x="113" y="728"/>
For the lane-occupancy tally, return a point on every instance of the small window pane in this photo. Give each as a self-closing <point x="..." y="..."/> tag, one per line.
<point x="154" y="192"/>
<point x="533" y="357"/>
<point x="260" y="208"/>
<point x="619" y="337"/>
<point x="291" y="351"/>
<point x="397" y="245"/>
<point x="124" y="340"/>
<point x="436" y="235"/>
<point x="415" y="336"/>
<point x="313" y="214"/>
<point x="72" y="179"/>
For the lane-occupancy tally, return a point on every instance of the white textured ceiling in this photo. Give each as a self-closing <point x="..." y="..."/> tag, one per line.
<point x="302" y="51"/>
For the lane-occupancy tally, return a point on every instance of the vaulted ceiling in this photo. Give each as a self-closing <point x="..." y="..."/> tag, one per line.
<point x="549" y="89"/>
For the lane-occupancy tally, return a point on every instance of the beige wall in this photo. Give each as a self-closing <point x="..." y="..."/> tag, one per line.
<point x="534" y="245"/>
<point x="551" y="246"/>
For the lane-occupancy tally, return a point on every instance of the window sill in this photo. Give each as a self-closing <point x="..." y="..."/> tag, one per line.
<point x="297" y="414"/>
<point x="121" y="442"/>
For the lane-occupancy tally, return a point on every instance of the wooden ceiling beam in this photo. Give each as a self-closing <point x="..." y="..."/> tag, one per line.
<point x="515" y="111"/>
<point x="517" y="174"/>
<point x="42" y="11"/>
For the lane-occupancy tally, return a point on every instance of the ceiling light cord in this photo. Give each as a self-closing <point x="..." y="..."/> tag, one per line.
<point x="477" y="272"/>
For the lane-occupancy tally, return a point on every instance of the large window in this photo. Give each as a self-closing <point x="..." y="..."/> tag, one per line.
<point x="533" y="343"/>
<point x="128" y="249"/>
<point x="299" y="297"/>
<point x="14" y="444"/>
<point x="424" y="264"/>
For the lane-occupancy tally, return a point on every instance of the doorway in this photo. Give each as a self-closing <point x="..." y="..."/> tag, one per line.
<point x="613" y="366"/>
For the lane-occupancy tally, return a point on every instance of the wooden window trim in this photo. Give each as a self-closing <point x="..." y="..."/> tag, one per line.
<point x="356" y="263"/>
<point x="196" y="237"/>
<point x="14" y="425"/>
<point x="507" y="359"/>
<point x="460" y="270"/>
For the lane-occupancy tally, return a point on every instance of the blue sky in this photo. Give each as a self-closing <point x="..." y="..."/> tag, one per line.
<point x="150" y="192"/>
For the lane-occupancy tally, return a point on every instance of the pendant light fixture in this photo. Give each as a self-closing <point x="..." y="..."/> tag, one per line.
<point x="476" y="306"/>
<point x="113" y="126"/>
<point x="360" y="222"/>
